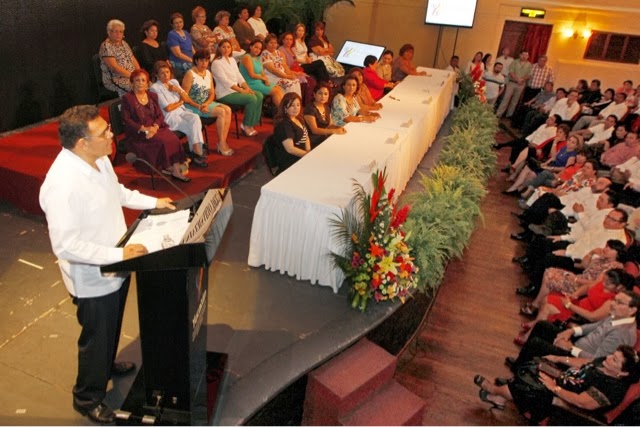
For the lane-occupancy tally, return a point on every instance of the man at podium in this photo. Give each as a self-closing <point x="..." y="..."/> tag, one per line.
<point x="83" y="200"/>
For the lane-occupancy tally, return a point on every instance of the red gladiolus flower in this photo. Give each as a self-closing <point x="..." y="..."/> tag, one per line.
<point x="400" y="217"/>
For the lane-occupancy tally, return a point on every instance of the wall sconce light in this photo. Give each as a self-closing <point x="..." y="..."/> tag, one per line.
<point x="579" y="29"/>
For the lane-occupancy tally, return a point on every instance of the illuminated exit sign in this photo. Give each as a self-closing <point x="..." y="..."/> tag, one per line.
<point x="533" y="13"/>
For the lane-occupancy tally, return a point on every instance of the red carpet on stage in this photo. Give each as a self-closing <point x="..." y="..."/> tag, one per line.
<point x="25" y="158"/>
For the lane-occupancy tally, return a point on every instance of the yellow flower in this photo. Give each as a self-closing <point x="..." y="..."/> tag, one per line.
<point x="387" y="264"/>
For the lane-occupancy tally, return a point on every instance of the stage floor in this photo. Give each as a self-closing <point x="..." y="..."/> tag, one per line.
<point x="273" y="327"/>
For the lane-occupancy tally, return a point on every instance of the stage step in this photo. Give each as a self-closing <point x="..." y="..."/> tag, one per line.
<point x="392" y="405"/>
<point x="339" y="386"/>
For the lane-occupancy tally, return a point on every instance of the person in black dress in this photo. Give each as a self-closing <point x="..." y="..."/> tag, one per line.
<point x="317" y="115"/>
<point x="149" y="51"/>
<point x="290" y="134"/>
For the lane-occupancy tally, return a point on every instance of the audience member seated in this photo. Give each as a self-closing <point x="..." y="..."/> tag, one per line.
<point x="291" y="136"/>
<point x="148" y="133"/>
<point x="567" y="108"/>
<point x="180" y="46"/>
<point x="627" y="176"/>
<point x="372" y="80"/>
<point x="149" y="51"/>
<point x="198" y="83"/>
<point x="243" y="30"/>
<point x="307" y="82"/>
<point x="578" y="175"/>
<point x="627" y="88"/>
<point x="494" y="83"/>
<point x="316" y="68"/>
<point x="385" y="71"/>
<point x="231" y="88"/>
<point x="172" y="99"/>
<point x="201" y="35"/>
<point x="594" y="108"/>
<point x="531" y="114"/>
<point x="364" y="97"/>
<point x="620" y="153"/>
<point x="317" y="115"/>
<point x="564" y="282"/>
<point x="259" y="27"/>
<point x="597" y="136"/>
<point x="276" y="68"/>
<point x="592" y="95"/>
<point x="346" y="109"/>
<point x="475" y="64"/>
<point x="403" y="64"/>
<point x="117" y="60"/>
<point x="224" y="32"/>
<point x="322" y="49"/>
<point x="582" y="87"/>
<point x="617" y="108"/>
<point x="595" y="385"/>
<point x="254" y="74"/>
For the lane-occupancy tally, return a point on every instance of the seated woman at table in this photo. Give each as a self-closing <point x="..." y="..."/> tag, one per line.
<point x="346" y="109"/>
<point x="364" y="94"/>
<point x="403" y="64"/>
<point x="322" y="49"/>
<point x="224" y="32"/>
<point x="254" y="74"/>
<point x="180" y="46"/>
<point x="198" y="83"/>
<point x="317" y="116"/>
<point x="372" y="80"/>
<point x="116" y="59"/>
<point x="307" y="82"/>
<point x="276" y="68"/>
<point x="299" y="48"/>
<point x="290" y="134"/>
<point x="149" y="51"/>
<point x="148" y="133"/>
<point x="242" y="29"/>
<point x="592" y="385"/>
<point x="201" y="35"/>
<point x="384" y="70"/>
<point x="172" y="99"/>
<point x="232" y="89"/>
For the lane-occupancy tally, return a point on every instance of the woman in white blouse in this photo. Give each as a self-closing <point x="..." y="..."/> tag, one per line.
<point x="232" y="89"/>
<point x="256" y="22"/>
<point x="299" y="48"/>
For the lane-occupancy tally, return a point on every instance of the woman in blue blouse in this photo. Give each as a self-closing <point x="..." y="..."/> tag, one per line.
<point x="253" y="73"/>
<point x="346" y="109"/>
<point x="180" y="46"/>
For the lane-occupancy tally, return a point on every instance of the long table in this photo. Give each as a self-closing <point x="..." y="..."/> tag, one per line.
<point x="291" y="231"/>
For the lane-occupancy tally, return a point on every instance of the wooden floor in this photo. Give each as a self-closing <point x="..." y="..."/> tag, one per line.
<point x="472" y="323"/>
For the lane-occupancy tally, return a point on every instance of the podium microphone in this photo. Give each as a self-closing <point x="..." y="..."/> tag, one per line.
<point x="132" y="158"/>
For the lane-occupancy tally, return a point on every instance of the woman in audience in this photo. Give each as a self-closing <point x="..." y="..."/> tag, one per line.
<point x="591" y="302"/>
<point x="224" y="32"/>
<point x="259" y="27"/>
<point x="316" y="68"/>
<point x="564" y="157"/>
<point x="244" y="31"/>
<point x="595" y="263"/>
<point x="384" y="68"/>
<point x="322" y="49"/>
<point x="346" y="109"/>
<point x="254" y="74"/>
<point x="198" y="83"/>
<point x="317" y="115"/>
<point x="149" y="51"/>
<point x="180" y="46"/>
<point x="276" y="67"/>
<point x="232" y="89"/>
<point x="592" y="385"/>
<point x="487" y="61"/>
<point x="145" y="128"/>
<point x="201" y="35"/>
<point x="364" y="94"/>
<point x="403" y="64"/>
<point x="172" y="99"/>
<point x="117" y="60"/>
<point x="290" y="134"/>
<point x="476" y="62"/>
<point x="307" y="82"/>
<point x="541" y="150"/>
<point x="376" y="84"/>
<point x="581" y="174"/>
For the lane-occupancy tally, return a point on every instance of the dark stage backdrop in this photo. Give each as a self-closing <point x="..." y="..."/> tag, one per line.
<point x="46" y="48"/>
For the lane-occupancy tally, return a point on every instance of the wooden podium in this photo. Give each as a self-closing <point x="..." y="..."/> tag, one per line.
<point x="179" y="381"/>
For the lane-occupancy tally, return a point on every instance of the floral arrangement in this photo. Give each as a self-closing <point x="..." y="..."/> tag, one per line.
<point x="376" y="257"/>
<point x="478" y="83"/>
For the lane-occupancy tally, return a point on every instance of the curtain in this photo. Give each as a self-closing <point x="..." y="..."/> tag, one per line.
<point x="536" y="41"/>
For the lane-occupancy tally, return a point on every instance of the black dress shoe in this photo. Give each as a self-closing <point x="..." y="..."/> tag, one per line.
<point x="520" y="237"/>
<point x="499" y="381"/>
<point x="510" y="362"/>
<point x="101" y="414"/>
<point x="514" y="193"/>
<point x="122" y="368"/>
<point x="520" y="259"/>
<point x="527" y="291"/>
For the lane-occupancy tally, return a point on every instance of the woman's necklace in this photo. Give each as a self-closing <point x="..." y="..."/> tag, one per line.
<point x="142" y="98"/>
<point x="182" y="34"/>
<point x="201" y="73"/>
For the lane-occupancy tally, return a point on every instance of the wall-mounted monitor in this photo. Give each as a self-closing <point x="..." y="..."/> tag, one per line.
<point x="353" y="53"/>
<point x="455" y="13"/>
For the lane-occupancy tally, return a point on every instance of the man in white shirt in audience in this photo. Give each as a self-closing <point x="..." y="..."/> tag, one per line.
<point x="505" y="59"/>
<point x="599" y="133"/>
<point x="617" y="108"/>
<point x="494" y="83"/>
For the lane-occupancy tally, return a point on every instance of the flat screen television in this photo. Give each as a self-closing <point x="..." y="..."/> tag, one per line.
<point x="455" y="13"/>
<point x="353" y="53"/>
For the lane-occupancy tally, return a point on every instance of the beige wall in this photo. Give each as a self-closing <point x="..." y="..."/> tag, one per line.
<point x="395" y="22"/>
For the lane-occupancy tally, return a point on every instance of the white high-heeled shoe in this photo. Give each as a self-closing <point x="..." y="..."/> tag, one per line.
<point x="249" y="131"/>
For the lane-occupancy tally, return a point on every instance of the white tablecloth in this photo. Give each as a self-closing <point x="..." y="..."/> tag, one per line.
<point x="291" y="232"/>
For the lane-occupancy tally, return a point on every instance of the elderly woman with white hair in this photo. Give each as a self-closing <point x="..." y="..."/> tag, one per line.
<point x="117" y="60"/>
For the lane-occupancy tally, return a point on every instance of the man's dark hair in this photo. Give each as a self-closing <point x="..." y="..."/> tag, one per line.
<point x="74" y="124"/>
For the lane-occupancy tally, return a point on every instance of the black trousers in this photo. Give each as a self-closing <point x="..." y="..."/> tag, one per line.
<point x="540" y="343"/>
<point x="101" y="322"/>
<point x="540" y="254"/>
<point x="318" y="70"/>
<point x="539" y="210"/>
